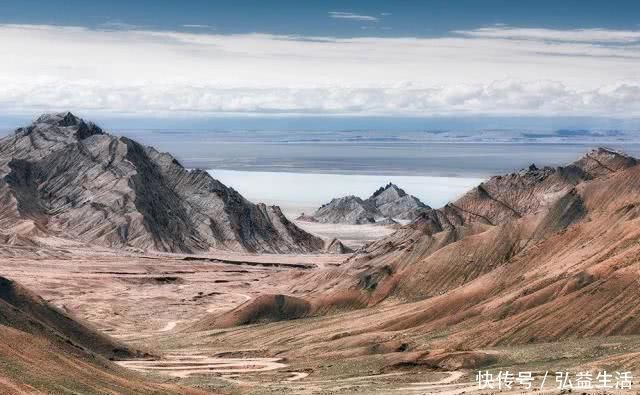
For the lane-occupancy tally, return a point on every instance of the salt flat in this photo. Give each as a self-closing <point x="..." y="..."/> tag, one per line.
<point x="304" y="192"/>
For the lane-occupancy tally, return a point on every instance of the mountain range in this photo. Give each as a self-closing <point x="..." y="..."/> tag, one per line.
<point x="64" y="177"/>
<point x="533" y="258"/>
<point x="539" y="255"/>
<point x="389" y="202"/>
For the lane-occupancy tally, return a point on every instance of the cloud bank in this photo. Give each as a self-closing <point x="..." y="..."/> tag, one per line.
<point x="578" y="35"/>
<point x="496" y="70"/>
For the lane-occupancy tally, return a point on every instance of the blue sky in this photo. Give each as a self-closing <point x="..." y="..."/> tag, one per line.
<point x="368" y="59"/>
<point x="421" y="18"/>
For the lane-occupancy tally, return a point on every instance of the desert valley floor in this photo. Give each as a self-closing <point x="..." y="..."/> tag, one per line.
<point x="150" y="301"/>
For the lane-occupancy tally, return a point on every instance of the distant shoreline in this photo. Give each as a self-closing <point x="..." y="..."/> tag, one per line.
<point x="298" y="192"/>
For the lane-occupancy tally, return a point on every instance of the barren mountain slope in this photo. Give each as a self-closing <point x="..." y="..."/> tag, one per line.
<point x="23" y="310"/>
<point x="442" y="263"/>
<point x="567" y="272"/>
<point x="43" y="350"/>
<point x="497" y="205"/>
<point x="581" y="281"/>
<point x="65" y="177"/>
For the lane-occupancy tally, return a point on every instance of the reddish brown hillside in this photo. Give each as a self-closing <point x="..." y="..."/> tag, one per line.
<point x="488" y="226"/>
<point x="567" y="266"/>
<point x="45" y="351"/>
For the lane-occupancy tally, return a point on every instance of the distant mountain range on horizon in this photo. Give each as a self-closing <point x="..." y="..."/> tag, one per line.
<point x="66" y="177"/>
<point x="386" y="205"/>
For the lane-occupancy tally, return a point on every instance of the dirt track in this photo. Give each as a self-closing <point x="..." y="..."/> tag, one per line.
<point x="188" y="364"/>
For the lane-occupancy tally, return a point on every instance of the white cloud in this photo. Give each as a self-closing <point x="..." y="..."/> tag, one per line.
<point x="117" y="25"/>
<point x="576" y="35"/>
<point x="352" y="16"/>
<point x="196" y="26"/>
<point x="498" y="98"/>
<point x="120" y="71"/>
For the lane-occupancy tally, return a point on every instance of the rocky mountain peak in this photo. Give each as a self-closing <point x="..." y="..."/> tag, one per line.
<point x="347" y="209"/>
<point x="393" y="202"/>
<point x="75" y="181"/>
<point x="60" y="126"/>
<point x="335" y="246"/>
<point x="386" y="203"/>
<point x="608" y="154"/>
<point x="389" y="189"/>
<point x="601" y="161"/>
<point x="63" y="119"/>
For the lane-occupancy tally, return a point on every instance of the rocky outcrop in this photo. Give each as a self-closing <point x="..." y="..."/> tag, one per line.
<point x="67" y="177"/>
<point x="504" y="198"/>
<point x="393" y="202"/>
<point x="386" y="204"/>
<point x="306" y="218"/>
<point x="347" y="210"/>
<point x="335" y="246"/>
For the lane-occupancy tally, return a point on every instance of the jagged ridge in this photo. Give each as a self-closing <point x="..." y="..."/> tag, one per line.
<point x="66" y="177"/>
<point x="387" y="202"/>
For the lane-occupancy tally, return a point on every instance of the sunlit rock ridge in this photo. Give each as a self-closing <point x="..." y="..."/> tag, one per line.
<point x="62" y="176"/>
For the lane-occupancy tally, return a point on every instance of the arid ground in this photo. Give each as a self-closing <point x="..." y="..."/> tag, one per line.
<point x="150" y="301"/>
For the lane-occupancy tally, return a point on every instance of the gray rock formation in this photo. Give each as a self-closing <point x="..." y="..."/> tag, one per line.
<point x="335" y="246"/>
<point x="66" y="177"/>
<point x="394" y="202"/>
<point x="387" y="203"/>
<point x="347" y="210"/>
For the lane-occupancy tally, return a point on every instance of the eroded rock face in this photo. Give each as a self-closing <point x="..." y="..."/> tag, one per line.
<point x="387" y="203"/>
<point x="335" y="246"/>
<point x="550" y="194"/>
<point x="504" y="198"/>
<point x="347" y="210"/>
<point x="68" y="178"/>
<point x="393" y="202"/>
